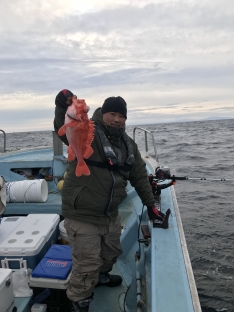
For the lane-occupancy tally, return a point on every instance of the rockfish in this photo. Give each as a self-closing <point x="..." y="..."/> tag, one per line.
<point x="80" y="133"/>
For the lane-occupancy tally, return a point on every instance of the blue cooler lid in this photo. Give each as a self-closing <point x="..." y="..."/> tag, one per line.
<point x="61" y="252"/>
<point x="57" y="263"/>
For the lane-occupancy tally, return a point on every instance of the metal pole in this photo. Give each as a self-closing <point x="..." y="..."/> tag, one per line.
<point x="4" y="135"/>
<point x="146" y="142"/>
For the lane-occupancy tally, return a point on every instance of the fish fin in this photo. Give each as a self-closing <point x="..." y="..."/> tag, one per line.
<point x="88" y="152"/>
<point x="90" y="135"/>
<point x="71" y="154"/>
<point x="71" y="124"/>
<point x="82" y="169"/>
<point x="62" y="131"/>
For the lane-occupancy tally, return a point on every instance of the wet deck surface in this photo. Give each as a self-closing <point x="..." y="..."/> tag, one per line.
<point x="109" y="299"/>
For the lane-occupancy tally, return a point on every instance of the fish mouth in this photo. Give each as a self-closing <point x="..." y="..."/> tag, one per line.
<point x="73" y="116"/>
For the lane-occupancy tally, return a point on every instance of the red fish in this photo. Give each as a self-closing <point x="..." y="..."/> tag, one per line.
<point x="80" y="133"/>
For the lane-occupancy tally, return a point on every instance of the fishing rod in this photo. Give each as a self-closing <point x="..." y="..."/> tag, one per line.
<point x="163" y="173"/>
<point x="162" y="180"/>
<point x="208" y="179"/>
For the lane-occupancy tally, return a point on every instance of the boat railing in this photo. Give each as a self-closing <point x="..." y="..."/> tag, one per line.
<point x="57" y="145"/>
<point x="4" y="140"/>
<point x="146" y="133"/>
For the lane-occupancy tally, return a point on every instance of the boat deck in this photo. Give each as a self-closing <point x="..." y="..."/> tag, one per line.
<point x="167" y="282"/>
<point x="170" y="288"/>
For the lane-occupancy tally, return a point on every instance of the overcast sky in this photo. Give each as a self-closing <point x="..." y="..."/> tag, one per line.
<point x="170" y="60"/>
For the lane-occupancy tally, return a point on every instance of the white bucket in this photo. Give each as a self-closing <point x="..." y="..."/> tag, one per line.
<point x="63" y="233"/>
<point x="39" y="307"/>
<point x="27" y="191"/>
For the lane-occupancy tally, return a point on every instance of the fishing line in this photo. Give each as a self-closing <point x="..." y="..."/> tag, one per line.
<point x="138" y="234"/>
<point x="201" y="179"/>
<point x="139" y="227"/>
<point x="124" y="303"/>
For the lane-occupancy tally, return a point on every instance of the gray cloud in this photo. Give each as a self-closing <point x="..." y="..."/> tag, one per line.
<point x="44" y="75"/>
<point x="181" y="25"/>
<point x="170" y="55"/>
<point x="224" y="108"/>
<point x="146" y="109"/>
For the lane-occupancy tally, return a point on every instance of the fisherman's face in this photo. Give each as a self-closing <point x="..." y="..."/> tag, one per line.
<point x="114" y="119"/>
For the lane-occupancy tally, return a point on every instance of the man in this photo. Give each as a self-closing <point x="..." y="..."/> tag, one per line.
<point x="90" y="203"/>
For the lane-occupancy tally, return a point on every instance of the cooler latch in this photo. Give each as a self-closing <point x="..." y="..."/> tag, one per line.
<point x="8" y="282"/>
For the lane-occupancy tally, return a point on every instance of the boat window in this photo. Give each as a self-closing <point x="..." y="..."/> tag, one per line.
<point x="34" y="173"/>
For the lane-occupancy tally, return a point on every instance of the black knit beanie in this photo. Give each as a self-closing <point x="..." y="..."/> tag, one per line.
<point x="115" y="104"/>
<point x="61" y="98"/>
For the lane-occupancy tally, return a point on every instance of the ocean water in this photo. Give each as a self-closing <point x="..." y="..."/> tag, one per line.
<point x="196" y="150"/>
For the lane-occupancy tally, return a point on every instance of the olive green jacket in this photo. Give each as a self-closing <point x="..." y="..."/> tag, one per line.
<point x="95" y="198"/>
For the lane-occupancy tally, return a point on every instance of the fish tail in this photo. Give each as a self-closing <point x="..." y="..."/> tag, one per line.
<point x="82" y="169"/>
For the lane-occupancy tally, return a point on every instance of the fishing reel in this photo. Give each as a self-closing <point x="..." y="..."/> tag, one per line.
<point x="161" y="174"/>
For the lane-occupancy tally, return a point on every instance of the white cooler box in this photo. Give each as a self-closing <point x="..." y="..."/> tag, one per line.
<point x="27" y="244"/>
<point x="8" y="225"/>
<point x="6" y="291"/>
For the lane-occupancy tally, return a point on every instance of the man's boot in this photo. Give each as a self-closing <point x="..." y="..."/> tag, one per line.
<point x="82" y="305"/>
<point x="106" y="279"/>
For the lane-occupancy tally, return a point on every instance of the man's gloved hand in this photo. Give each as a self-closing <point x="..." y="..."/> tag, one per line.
<point x="64" y="98"/>
<point x="154" y="213"/>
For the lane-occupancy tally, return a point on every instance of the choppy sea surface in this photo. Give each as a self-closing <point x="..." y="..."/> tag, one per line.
<point x="203" y="149"/>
